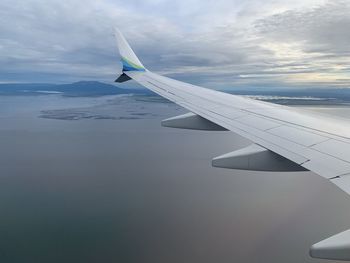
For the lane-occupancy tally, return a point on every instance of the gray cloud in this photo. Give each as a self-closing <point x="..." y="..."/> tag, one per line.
<point x="316" y="38"/>
<point x="221" y="44"/>
<point x="323" y="29"/>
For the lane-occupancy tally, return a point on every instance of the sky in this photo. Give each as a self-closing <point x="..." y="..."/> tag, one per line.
<point x="218" y="44"/>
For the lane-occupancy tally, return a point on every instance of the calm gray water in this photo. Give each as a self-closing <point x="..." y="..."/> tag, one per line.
<point x="98" y="180"/>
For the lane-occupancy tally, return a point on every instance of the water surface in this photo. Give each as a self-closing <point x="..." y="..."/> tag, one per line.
<point x="120" y="188"/>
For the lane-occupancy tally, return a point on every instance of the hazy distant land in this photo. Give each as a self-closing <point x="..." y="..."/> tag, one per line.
<point x="111" y="108"/>
<point x="96" y="89"/>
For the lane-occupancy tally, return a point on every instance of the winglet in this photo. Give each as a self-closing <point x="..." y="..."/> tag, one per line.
<point x="128" y="58"/>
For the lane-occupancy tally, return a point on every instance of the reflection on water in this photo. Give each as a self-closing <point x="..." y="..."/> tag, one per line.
<point x="124" y="190"/>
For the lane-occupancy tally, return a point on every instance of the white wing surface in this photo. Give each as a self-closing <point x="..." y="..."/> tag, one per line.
<point x="307" y="140"/>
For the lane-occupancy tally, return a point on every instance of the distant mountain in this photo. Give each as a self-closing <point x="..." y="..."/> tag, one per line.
<point x="76" y="89"/>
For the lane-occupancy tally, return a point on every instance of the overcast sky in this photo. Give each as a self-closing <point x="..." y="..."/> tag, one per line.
<point x="219" y="44"/>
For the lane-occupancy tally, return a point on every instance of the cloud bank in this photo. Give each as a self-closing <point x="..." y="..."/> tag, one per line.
<point x="221" y="44"/>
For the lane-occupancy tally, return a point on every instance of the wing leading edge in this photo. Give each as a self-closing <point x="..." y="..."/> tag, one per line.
<point x="312" y="141"/>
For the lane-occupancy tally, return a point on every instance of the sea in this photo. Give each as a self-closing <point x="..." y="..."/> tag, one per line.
<point x="97" y="179"/>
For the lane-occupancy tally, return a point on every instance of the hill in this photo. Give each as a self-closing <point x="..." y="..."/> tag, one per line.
<point x="76" y="89"/>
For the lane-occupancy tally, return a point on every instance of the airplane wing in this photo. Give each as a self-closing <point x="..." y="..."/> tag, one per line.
<point x="283" y="138"/>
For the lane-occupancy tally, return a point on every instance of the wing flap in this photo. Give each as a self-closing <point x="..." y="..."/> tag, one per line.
<point x="258" y="122"/>
<point x="338" y="149"/>
<point x="297" y="135"/>
<point x="343" y="182"/>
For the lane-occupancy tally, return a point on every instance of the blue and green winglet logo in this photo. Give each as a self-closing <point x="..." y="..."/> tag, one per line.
<point x="130" y="66"/>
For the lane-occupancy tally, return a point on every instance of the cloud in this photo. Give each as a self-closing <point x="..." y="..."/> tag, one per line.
<point x="316" y="39"/>
<point x="322" y="29"/>
<point x="216" y="44"/>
